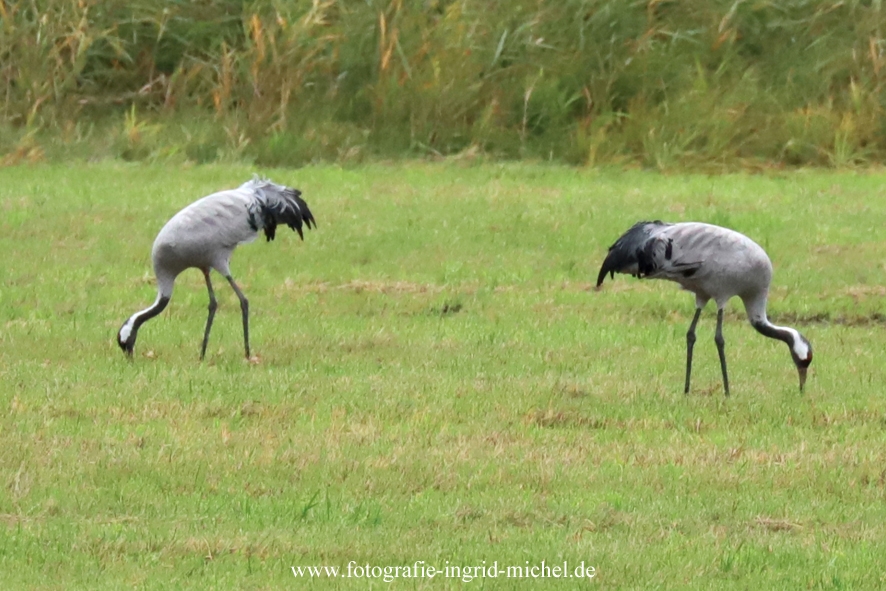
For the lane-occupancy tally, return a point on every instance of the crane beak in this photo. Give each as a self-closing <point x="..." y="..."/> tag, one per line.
<point x="126" y="348"/>
<point x="802" y="372"/>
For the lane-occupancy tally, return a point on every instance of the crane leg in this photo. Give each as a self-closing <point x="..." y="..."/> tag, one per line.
<point x="690" y="343"/>
<point x="213" y="304"/>
<point x="244" y="308"/>
<point x="721" y="343"/>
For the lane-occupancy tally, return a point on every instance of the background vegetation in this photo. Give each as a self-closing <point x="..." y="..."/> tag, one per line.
<point x="696" y="83"/>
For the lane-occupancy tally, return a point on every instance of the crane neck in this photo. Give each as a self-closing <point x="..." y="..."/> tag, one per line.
<point x="130" y="328"/>
<point x="159" y="304"/>
<point x="801" y="349"/>
<point x="756" y="309"/>
<point x="782" y="333"/>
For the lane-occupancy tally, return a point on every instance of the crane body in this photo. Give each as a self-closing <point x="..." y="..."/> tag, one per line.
<point x="712" y="262"/>
<point x="204" y="235"/>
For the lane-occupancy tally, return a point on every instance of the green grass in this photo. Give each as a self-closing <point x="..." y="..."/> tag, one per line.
<point x="437" y="381"/>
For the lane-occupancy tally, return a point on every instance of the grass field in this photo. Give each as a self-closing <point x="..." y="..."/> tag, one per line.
<point x="438" y="381"/>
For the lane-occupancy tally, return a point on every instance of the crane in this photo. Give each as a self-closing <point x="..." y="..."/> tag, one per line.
<point x="712" y="262"/>
<point x="204" y="234"/>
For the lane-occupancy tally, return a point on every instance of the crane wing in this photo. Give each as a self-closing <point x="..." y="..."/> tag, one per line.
<point x="661" y="257"/>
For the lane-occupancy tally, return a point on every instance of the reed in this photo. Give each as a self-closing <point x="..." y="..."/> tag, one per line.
<point x="713" y="84"/>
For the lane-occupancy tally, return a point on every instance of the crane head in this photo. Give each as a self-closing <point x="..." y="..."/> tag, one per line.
<point x="126" y="338"/>
<point x="801" y="353"/>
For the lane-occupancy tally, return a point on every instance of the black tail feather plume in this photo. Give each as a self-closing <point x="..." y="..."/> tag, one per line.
<point x="283" y="205"/>
<point x="289" y="209"/>
<point x="629" y="253"/>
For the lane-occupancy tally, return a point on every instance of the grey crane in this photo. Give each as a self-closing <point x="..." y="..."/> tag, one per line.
<point x="713" y="263"/>
<point x="204" y="235"/>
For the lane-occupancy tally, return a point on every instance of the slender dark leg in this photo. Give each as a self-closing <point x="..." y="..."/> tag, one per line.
<point x="690" y="343"/>
<point x="212" y="307"/>
<point x="718" y="338"/>
<point x="244" y="307"/>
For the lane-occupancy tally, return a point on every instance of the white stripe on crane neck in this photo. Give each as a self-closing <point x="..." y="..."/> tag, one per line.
<point x="126" y="329"/>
